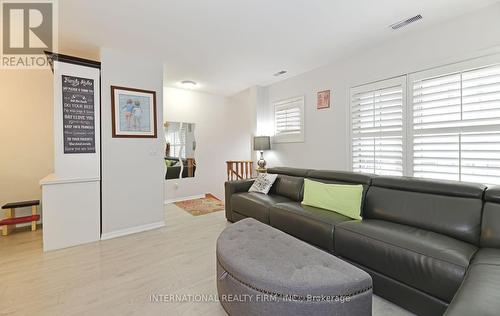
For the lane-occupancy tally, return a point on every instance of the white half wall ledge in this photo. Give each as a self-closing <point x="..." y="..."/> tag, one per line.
<point x="132" y="230"/>
<point x="185" y="198"/>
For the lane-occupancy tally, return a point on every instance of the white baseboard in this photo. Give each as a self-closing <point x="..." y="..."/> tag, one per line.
<point x="132" y="230"/>
<point x="184" y="198"/>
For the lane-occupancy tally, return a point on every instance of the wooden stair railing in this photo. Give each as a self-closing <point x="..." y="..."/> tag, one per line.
<point x="239" y="169"/>
<point x="190" y="165"/>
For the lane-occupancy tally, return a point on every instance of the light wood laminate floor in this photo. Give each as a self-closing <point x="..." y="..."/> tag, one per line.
<point x="118" y="276"/>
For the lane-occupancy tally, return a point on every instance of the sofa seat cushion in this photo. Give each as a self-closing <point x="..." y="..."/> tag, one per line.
<point x="479" y="293"/>
<point x="255" y="205"/>
<point x="487" y="256"/>
<point x="428" y="261"/>
<point x="310" y="224"/>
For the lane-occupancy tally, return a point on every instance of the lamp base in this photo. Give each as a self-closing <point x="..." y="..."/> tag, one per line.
<point x="261" y="163"/>
<point x="261" y="170"/>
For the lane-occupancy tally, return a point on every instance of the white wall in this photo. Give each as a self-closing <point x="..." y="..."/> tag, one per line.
<point x="223" y="131"/>
<point x="132" y="168"/>
<point x="26" y="135"/>
<point x="326" y="137"/>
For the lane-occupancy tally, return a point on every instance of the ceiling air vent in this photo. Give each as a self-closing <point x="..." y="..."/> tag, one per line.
<point x="279" y="73"/>
<point x="404" y="23"/>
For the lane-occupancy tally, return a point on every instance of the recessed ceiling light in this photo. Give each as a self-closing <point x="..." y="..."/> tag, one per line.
<point x="279" y="73"/>
<point x="189" y="84"/>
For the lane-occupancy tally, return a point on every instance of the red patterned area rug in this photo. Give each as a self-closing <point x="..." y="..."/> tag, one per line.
<point x="206" y="205"/>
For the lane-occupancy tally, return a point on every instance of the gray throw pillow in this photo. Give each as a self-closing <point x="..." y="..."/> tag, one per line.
<point x="263" y="183"/>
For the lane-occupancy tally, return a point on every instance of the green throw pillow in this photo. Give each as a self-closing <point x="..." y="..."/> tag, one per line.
<point x="340" y="198"/>
<point x="168" y="163"/>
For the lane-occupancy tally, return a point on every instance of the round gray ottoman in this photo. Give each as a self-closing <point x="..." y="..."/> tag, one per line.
<point x="263" y="271"/>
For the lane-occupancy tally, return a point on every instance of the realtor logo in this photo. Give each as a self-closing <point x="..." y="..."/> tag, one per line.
<point x="28" y="29"/>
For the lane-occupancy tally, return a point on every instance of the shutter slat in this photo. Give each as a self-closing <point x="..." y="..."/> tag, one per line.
<point x="452" y="86"/>
<point x="389" y="106"/>
<point x="481" y="72"/>
<point x="473" y="82"/>
<point x="437" y="103"/>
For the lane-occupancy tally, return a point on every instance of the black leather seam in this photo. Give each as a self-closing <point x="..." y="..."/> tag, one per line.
<point x="371" y="271"/>
<point x="236" y="211"/>
<point x="485" y="264"/>
<point x="239" y="213"/>
<point x="294" y="296"/>
<point x="396" y="246"/>
<point x="467" y="195"/>
<point x="260" y="202"/>
<point x="483" y="205"/>
<point x="301" y="192"/>
<point x="332" y="231"/>
<point x="315" y="218"/>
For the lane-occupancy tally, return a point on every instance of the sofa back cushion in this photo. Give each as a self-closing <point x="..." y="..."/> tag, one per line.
<point x="290" y="182"/>
<point x="340" y="177"/>
<point x="490" y="228"/>
<point x="445" y="207"/>
<point x="289" y="186"/>
<point x="295" y="172"/>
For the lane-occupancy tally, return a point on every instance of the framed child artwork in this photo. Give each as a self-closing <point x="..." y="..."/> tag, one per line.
<point x="323" y="99"/>
<point x="133" y="112"/>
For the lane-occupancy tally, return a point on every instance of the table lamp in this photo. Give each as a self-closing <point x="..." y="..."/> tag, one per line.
<point x="261" y="143"/>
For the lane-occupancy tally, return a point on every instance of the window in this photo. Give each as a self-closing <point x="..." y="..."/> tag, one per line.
<point x="442" y="123"/>
<point x="456" y="124"/>
<point x="377" y="127"/>
<point x="177" y="140"/>
<point x="289" y="120"/>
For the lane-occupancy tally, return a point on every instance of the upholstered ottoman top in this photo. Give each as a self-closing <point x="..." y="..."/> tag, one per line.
<point x="270" y="261"/>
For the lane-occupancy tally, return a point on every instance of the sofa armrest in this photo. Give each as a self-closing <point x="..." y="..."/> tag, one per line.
<point x="232" y="187"/>
<point x="480" y="290"/>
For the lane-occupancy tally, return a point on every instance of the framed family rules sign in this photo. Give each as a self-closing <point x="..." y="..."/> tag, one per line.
<point x="78" y="115"/>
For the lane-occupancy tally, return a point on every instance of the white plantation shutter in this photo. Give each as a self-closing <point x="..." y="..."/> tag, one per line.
<point x="377" y="127"/>
<point x="289" y="120"/>
<point x="456" y="124"/>
<point x="177" y="140"/>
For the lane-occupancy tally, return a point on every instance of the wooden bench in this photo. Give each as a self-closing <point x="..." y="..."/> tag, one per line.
<point x="9" y="223"/>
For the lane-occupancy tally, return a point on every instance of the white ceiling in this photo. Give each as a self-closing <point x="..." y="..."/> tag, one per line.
<point x="228" y="45"/>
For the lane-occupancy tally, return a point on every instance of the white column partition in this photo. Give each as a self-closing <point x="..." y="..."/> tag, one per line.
<point x="71" y="203"/>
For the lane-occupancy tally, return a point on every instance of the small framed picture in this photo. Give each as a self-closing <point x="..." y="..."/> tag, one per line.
<point x="323" y="99"/>
<point x="133" y="112"/>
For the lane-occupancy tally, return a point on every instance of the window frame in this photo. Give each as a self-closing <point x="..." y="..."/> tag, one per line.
<point x="458" y="67"/>
<point x="407" y="110"/>
<point x="297" y="138"/>
<point x="373" y="86"/>
<point x="179" y="144"/>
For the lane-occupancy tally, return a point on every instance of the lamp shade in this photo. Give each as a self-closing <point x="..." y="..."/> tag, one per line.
<point x="261" y="143"/>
